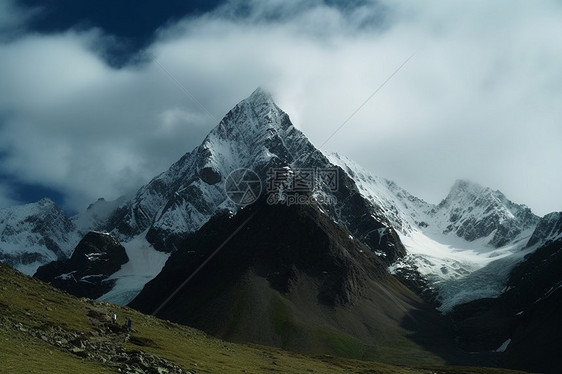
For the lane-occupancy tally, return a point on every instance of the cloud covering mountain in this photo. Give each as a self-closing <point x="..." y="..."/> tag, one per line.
<point x="479" y="99"/>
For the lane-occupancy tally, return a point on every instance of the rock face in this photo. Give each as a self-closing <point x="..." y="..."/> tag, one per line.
<point x="97" y="256"/>
<point x="548" y="229"/>
<point x="34" y="234"/>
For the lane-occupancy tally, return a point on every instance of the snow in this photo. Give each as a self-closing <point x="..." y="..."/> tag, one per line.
<point x="24" y="230"/>
<point x="144" y="264"/>
<point x="28" y="268"/>
<point x="460" y="270"/>
<point x="504" y="346"/>
<point x="67" y="276"/>
<point x="87" y="278"/>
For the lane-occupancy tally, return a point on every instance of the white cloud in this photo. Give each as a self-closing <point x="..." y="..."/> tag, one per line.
<point x="73" y="123"/>
<point x="479" y="99"/>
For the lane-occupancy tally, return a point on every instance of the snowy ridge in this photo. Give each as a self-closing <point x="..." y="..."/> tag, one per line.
<point x="34" y="234"/>
<point x="464" y="247"/>
<point x="404" y="211"/>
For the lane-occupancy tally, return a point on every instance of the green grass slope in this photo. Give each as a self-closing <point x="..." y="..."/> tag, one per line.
<point x="43" y="330"/>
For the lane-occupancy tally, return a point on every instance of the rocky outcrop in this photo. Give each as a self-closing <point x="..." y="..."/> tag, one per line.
<point x="97" y="256"/>
<point x="103" y="344"/>
<point x="283" y="275"/>
<point x="278" y="242"/>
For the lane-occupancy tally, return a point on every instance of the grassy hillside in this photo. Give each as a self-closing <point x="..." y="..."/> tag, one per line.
<point x="43" y="330"/>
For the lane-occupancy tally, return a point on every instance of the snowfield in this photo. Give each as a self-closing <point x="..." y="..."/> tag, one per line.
<point x="144" y="264"/>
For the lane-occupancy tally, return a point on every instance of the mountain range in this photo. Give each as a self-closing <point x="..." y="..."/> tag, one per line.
<point x="320" y="256"/>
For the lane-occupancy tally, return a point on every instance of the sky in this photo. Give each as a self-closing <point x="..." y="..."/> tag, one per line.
<point x="97" y="98"/>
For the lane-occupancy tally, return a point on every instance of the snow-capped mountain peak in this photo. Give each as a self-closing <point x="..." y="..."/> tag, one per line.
<point x="35" y="233"/>
<point x="250" y="118"/>
<point x="472" y="211"/>
<point x="255" y="135"/>
<point x="464" y="189"/>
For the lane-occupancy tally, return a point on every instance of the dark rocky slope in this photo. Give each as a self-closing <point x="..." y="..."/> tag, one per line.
<point x="85" y="273"/>
<point x="290" y="277"/>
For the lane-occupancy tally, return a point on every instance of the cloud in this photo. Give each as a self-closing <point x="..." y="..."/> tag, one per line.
<point x="6" y="194"/>
<point x="13" y="18"/>
<point x="75" y="124"/>
<point x="479" y="99"/>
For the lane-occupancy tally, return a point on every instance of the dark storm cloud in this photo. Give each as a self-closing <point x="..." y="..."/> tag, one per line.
<point x="478" y="100"/>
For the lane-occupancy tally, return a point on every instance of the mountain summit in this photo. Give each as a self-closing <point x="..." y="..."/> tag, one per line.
<point x="34" y="234"/>
<point x="473" y="212"/>
<point x="255" y="135"/>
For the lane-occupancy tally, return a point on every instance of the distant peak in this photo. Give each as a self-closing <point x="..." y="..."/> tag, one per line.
<point x="462" y="189"/>
<point x="260" y="95"/>
<point x="261" y="98"/>
<point x="259" y="112"/>
<point x="45" y="202"/>
<point x="465" y="185"/>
